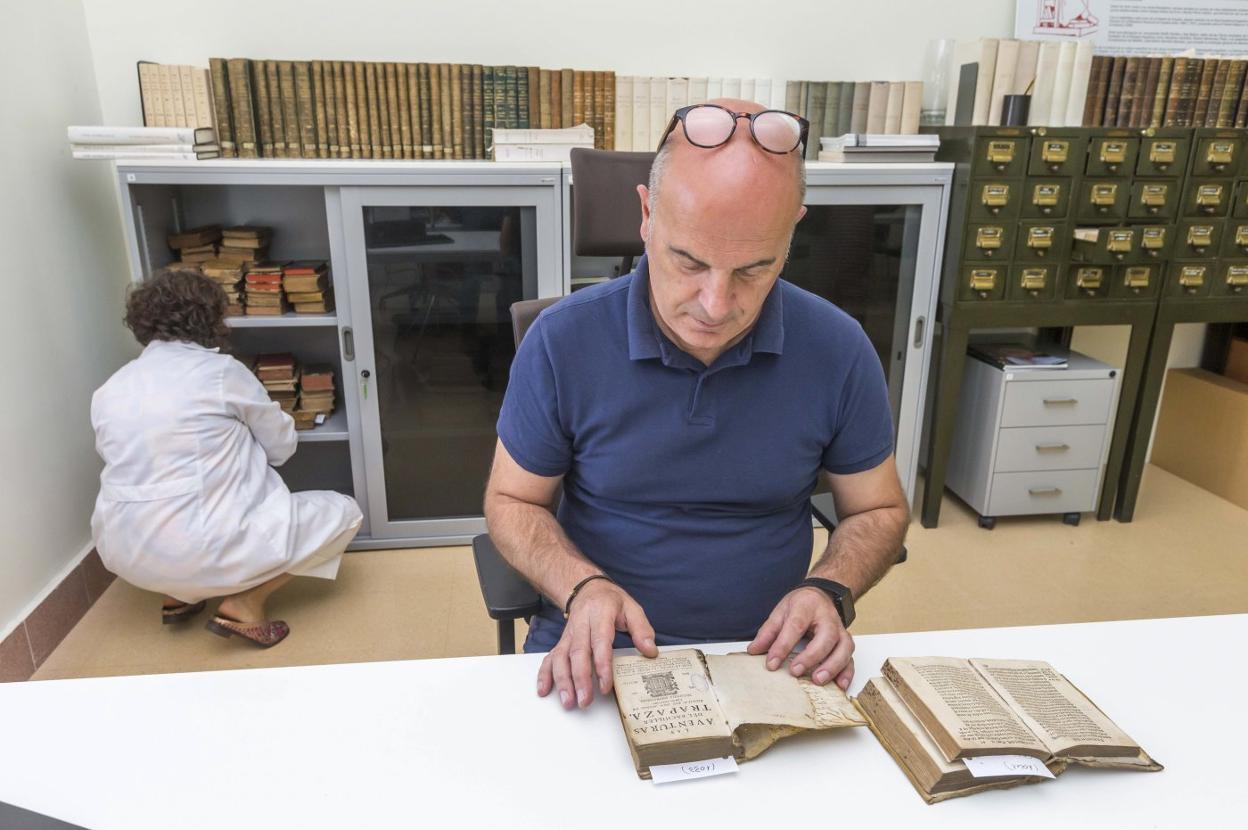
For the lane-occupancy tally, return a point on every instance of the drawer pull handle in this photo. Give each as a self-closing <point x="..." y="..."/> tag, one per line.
<point x="1045" y="491"/>
<point x="1052" y="447"/>
<point x="1060" y="401"/>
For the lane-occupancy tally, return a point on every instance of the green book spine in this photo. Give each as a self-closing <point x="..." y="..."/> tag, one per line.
<point x="478" y="112"/>
<point x="831" y="108"/>
<point x="845" y="109"/>
<point x="522" y="97"/>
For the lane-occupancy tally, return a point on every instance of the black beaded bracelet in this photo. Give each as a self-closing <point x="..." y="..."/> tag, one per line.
<point x="567" y="606"/>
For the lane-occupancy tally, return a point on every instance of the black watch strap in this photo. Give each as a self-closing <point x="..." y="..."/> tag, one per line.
<point x="841" y="596"/>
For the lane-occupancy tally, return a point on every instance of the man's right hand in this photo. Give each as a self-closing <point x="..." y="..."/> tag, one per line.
<point x="599" y="610"/>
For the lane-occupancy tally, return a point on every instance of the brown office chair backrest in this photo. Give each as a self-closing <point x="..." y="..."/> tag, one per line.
<point x="524" y="312"/>
<point x="606" y="213"/>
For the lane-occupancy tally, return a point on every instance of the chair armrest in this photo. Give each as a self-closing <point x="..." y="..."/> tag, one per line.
<point x="823" y="510"/>
<point x="507" y="595"/>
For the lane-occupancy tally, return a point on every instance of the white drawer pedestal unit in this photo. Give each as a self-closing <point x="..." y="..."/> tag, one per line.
<point x="1033" y="441"/>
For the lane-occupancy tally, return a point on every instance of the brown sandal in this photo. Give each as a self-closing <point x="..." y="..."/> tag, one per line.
<point x="180" y="613"/>
<point x="265" y="634"/>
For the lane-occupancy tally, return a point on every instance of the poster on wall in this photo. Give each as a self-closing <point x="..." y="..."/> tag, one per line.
<point x="1139" y="27"/>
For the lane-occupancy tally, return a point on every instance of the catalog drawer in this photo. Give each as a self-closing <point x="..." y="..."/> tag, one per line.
<point x="1049" y="448"/>
<point x="1057" y="402"/>
<point x="1053" y="491"/>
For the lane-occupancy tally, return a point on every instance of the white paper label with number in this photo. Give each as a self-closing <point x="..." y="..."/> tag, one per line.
<point x="666" y="773"/>
<point x="995" y="766"/>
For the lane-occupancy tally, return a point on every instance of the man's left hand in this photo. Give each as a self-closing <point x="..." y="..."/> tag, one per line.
<point x="809" y="612"/>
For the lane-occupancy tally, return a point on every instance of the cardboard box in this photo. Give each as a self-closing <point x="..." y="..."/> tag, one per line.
<point x="1237" y="360"/>
<point x="1202" y="432"/>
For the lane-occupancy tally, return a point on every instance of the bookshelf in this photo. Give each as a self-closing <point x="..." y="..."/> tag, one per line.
<point x="421" y="339"/>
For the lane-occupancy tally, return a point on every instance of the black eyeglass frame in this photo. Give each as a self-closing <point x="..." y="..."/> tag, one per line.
<point x="679" y="115"/>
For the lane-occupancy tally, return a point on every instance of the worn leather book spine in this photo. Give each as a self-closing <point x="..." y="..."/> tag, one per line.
<point x="392" y="109"/>
<point x="277" y="127"/>
<point x="405" y="109"/>
<point x="1161" y="94"/>
<point x="1126" y="97"/>
<point x="425" y="100"/>
<point x="347" y="113"/>
<point x="320" y="112"/>
<point x="1241" y="108"/>
<point x="1204" y="89"/>
<point x="435" y="110"/>
<point x="221" y="106"/>
<point x="556" y="99"/>
<point x="567" y="84"/>
<point x="242" y="108"/>
<point x="522" y="98"/>
<point x="264" y="119"/>
<point x="448" y="130"/>
<point x="478" y="112"/>
<point x="1150" y="69"/>
<point x="578" y="97"/>
<point x="487" y="108"/>
<point x="290" y="109"/>
<point x="535" y="90"/>
<point x="544" y="119"/>
<point x="1090" y="103"/>
<point x="608" y="110"/>
<point x="464" y="109"/>
<point x="1174" y="94"/>
<point x="374" y="96"/>
<point x="1114" y="92"/>
<point x="1229" y="99"/>
<point x="413" y="102"/>
<point x="305" y="105"/>
<point x="333" y="145"/>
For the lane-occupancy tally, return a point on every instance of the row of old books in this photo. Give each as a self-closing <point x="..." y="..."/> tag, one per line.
<point x="175" y="96"/>
<point x="306" y="393"/>
<point x="180" y="143"/>
<point x="1055" y="74"/>
<point x="1180" y="91"/>
<point x="358" y="109"/>
<point x="837" y="108"/>
<point x="644" y="105"/>
<point x="277" y="287"/>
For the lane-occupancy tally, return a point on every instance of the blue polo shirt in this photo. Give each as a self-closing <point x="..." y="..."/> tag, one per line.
<point x="689" y="485"/>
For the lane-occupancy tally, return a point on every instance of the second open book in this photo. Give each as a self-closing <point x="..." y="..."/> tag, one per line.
<point x="930" y="713"/>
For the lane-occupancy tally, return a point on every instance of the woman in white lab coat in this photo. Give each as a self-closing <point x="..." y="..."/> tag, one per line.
<point x="190" y="505"/>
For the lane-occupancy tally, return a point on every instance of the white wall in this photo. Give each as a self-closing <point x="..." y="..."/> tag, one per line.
<point x="825" y="39"/>
<point x="64" y="275"/>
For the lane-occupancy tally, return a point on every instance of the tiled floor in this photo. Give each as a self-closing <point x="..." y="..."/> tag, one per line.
<point x="1184" y="554"/>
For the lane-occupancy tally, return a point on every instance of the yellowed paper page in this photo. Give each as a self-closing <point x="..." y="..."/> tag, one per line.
<point x="750" y="694"/>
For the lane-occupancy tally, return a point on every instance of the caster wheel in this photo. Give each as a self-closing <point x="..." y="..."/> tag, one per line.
<point x="987" y="522"/>
<point x="1071" y="519"/>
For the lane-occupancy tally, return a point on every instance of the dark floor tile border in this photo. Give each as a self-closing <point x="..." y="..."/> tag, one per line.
<point x="23" y="651"/>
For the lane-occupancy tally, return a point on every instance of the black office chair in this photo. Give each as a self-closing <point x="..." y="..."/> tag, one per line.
<point x="608" y="180"/>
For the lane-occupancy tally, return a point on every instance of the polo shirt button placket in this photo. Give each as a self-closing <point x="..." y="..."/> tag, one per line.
<point x="697" y="400"/>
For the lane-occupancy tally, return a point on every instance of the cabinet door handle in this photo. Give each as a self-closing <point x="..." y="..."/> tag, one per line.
<point x="1060" y="401"/>
<point x="1058" y="447"/>
<point x="1045" y="491"/>
<point x="919" y="325"/>
<point x="348" y="344"/>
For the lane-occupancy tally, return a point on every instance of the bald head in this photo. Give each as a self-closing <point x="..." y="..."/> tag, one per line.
<point x="739" y="164"/>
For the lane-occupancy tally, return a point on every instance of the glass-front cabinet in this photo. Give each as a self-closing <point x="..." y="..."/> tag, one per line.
<point x="433" y="274"/>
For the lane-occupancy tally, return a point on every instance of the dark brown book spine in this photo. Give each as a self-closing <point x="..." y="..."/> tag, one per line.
<point x="1095" y="102"/>
<point x="264" y="117"/>
<point x="1204" y="87"/>
<point x="1241" y="108"/>
<point x="435" y="110"/>
<point x="478" y="112"/>
<point x="332" y="146"/>
<point x="1213" y="98"/>
<point x="306" y="105"/>
<point x="1230" y="92"/>
<point x="1157" y="109"/>
<point x="242" y="107"/>
<point x="352" y="107"/>
<point x="535" y="96"/>
<point x="556" y="99"/>
<point x="406" y="100"/>
<point x="578" y="97"/>
<point x="1114" y="92"/>
<point x="608" y="109"/>
<point x="1191" y="91"/>
<point x="600" y="137"/>
<point x="392" y="109"/>
<point x="448" y="129"/>
<point x="487" y="108"/>
<point x="1174" y="94"/>
<point x="320" y="111"/>
<point x="465" y="108"/>
<point x="425" y="100"/>
<point x="567" y="102"/>
<point x="290" y="109"/>
<point x="272" y="102"/>
<point x="1126" y="98"/>
<point x="373" y="95"/>
<point x="221" y="106"/>
<point x="1150" y="68"/>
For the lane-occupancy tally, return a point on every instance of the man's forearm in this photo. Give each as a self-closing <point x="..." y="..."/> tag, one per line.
<point x="531" y="540"/>
<point x="863" y="547"/>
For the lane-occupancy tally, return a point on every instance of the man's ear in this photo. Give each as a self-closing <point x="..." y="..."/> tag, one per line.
<point x="644" y="194"/>
<point x="801" y="212"/>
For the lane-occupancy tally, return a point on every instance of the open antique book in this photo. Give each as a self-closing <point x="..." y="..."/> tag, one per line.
<point x="687" y="706"/>
<point x="932" y="712"/>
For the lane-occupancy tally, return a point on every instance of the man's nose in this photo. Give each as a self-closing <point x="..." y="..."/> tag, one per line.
<point x="716" y="296"/>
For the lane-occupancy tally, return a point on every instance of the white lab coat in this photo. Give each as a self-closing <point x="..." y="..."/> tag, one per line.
<point x="189" y="505"/>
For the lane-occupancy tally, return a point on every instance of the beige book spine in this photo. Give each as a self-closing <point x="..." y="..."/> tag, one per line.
<point x="203" y="98"/>
<point x="174" y="74"/>
<point x="186" y="83"/>
<point x="149" y="94"/>
<point x="165" y="85"/>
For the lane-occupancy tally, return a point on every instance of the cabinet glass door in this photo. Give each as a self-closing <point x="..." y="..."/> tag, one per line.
<point x="434" y="273"/>
<point x="872" y="251"/>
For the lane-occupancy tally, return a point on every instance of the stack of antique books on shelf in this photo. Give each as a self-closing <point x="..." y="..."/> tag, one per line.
<point x="195" y="246"/>
<point x="175" y="143"/>
<point x="264" y="289"/>
<point x="277" y="373"/>
<point x="229" y="276"/>
<point x="245" y="243"/>
<point x="316" y="396"/>
<point x="307" y="287"/>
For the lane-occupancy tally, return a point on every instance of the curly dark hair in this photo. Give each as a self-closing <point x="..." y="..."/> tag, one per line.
<point x="178" y="304"/>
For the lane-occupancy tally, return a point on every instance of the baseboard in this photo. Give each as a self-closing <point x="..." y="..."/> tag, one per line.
<point x="45" y="621"/>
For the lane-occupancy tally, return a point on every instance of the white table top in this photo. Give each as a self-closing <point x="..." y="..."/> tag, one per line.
<point x="467" y="743"/>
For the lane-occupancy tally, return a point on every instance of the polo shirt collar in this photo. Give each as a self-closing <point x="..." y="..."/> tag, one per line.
<point x="645" y="338"/>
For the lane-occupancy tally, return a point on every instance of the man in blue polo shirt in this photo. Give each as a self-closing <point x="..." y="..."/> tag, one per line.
<point x="688" y="410"/>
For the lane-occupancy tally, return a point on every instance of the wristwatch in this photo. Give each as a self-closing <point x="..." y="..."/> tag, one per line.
<point x="841" y="596"/>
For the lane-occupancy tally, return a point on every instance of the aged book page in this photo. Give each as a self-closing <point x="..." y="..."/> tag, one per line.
<point x="1051" y="707"/>
<point x="667" y="698"/>
<point x="963" y="714"/>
